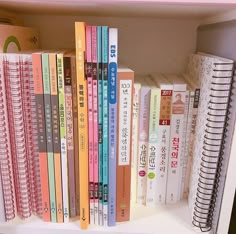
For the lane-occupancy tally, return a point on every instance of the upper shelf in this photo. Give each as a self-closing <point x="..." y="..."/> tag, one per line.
<point x="194" y="9"/>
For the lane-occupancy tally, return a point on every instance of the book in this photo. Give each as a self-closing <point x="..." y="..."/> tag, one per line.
<point x="48" y="127"/>
<point x="56" y="135"/>
<point x="105" y="124"/>
<point x="6" y="169"/>
<point x="82" y="124"/>
<point x="176" y="138"/>
<point x="124" y="147"/>
<point x="69" y="132"/>
<point x="112" y="139"/>
<point x="95" y="121"/>
<point x="214" y="75"/>
<point x="18" y="38"/>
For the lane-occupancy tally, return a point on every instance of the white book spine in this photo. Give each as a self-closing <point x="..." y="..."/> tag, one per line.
<point x="134" y="157"/>
<point x="177" y="125"/>
<point x="153" y="153"/>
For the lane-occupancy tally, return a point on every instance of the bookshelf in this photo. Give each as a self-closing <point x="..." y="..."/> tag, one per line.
<point x="154" y="35"/>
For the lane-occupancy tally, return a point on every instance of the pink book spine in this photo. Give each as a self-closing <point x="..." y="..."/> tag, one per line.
<point x="90" y="119"/>
<point x="95" y="120"/>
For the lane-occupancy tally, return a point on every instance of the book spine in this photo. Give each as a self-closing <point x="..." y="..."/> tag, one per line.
<point x="6" y="167"/>
<point x="152" y="157"/>
<point x="105" y="123"/>
<point x="176" y="141"/>
<point x="48" y="125"/>
<point x="62" y="118"/>
<point x="163" y="149"/>
<point x="124" y="146"/>
<point x="95" y="121"/>
<point x="82" y="124"/>
<point x="38" y="90"/>
<point x="69" y="134"/>
<point x="90" y="119"/>
<point x="184" y="134"/>
<point x="56" y="136"/>
<point x="143" y="143"/>
<point x="75" y="132"/>
<point x="134" y="157"/>
<point x="100" y="122"/>
<point x="112" y="99"/>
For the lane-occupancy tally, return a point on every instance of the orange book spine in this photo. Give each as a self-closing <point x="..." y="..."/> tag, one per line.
<point x="56" y="136"/>
<point x="124" y="146"/>
<point x="82" y="124"/>
<point x="43" y="161"/>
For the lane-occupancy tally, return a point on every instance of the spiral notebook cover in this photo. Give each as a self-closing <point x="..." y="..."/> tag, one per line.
<point x="215" y="77"/>
<point x="6" y="167"/>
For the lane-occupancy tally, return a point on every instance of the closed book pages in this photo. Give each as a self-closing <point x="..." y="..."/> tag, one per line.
<point x="153" y="143"/>
<point x="15" y="99"/>
<point x="164" y="136"/>
<point x="17" y="38"/>
<point x="214" y="75"/>
<point x="134" y="155"/>
<point x="176" y="138"/>
<point x="124" y="146"/>
<point x="145" y="93"/>
<point x="6" y="167"/>
<point x="2" y="207"/>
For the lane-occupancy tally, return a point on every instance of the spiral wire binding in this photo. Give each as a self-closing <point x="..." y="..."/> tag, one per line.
<point x="212" y="154"/>
<point x="5" y="155"/>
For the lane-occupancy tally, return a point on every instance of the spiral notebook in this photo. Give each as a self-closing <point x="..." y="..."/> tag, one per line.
<point x="214" y="75"/>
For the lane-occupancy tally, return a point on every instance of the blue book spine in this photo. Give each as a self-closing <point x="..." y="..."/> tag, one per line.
<point x="100" y="120"/>
<point x="105" y="115"/>
<point x="112" y="99"/>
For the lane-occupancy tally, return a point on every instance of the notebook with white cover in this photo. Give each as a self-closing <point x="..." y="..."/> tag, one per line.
<point x="214" y="75"/>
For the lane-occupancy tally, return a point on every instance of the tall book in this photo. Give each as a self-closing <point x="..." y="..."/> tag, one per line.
<point x="90" y="119"/>
<point x="214" y="75"/>
<point x="124" y="147"/>
<point x="82" y="123"/>
<point x="95" y="121"/>
<point x="105" y="123"/>
<point x="112" y="99"/>
<point x="48" y="127"/>
<point x="62" y="124"/>
<point x="6" y="166"/>
<point x="56" y="135"/>
<point x="100" y="122"/>
<point x="69" y="132"/>
<point x="176" y="138"/>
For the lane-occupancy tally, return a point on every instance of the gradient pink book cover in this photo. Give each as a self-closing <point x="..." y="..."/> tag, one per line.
<point x="90" y="118"/>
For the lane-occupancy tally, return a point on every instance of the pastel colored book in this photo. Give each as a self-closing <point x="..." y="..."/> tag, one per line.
<point x="56" y="135"/>
<point x="82" y="124"/>
<point x="90" y="119"/>
<point x="18" y="38"/>
<point x="95" y="121"/>
<point x="124" y="147"/>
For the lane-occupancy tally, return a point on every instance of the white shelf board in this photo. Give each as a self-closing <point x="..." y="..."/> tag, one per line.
<point x="197" y="9"/>
<point x="168" y="219"/>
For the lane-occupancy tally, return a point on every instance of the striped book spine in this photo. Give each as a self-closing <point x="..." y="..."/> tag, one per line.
<point x="82" y="124"/>
<point x="69" y="134"/>
<point x="75" y="132"/>
<point x="56" y="135"/>
<point x="90" y="119"/>
<point x="112" y="99"/>
<point x="62" y="118"/>
<point x="48" y="125"/>
<point x="100" y="122"/>
<point x="95" y="121"/>
<point x="153" y="153"/>
<point x="143" y="143"/>
<point x="38" y="90"/>
<point x="105" y="122"/>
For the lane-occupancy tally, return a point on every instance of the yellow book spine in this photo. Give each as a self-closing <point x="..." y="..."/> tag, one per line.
<point x="82" y="123"/>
